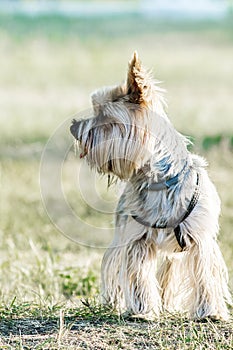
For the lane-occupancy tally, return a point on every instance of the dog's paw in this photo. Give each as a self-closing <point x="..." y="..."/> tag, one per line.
<point x="128" y="315"/>
<point x="212" y="318"/>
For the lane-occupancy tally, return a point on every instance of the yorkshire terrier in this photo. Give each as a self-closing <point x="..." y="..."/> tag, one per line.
<point x="169" y="208"/>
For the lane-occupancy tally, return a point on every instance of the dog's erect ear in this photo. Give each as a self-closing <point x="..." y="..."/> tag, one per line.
<point x="138" y="82"/>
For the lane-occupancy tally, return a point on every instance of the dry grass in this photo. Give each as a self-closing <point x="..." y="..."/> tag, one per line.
<point x="92" y="327"/>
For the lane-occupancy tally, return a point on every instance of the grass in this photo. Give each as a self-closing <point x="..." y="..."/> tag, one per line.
<point x="91" y="326"/>
<point x="49" y="66"/>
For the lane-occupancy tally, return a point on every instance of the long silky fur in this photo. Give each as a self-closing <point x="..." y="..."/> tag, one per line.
<point x="131" y="137"/>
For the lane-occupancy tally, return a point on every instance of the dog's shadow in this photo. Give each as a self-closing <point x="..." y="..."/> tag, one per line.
<point x="51" y="325"/>
<point x="28" y="326"/>
<point x="105" y="332"/>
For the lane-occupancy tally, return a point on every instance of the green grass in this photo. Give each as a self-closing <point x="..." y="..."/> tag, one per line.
<point x="49" y="67"/>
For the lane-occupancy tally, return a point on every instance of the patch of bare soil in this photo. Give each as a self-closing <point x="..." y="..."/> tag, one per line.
<point x="74" y="333"/>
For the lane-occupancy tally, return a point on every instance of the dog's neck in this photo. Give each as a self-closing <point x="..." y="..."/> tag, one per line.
<point x="170" y="158"/>
<point x="160" y="176"/>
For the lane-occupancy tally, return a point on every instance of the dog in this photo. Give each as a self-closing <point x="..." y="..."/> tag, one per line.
<point x="164" y="255"/>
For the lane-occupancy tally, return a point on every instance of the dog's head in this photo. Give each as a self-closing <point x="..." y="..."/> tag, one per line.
<point x="118" y="139"/>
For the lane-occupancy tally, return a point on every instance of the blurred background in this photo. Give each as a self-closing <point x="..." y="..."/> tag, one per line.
<point x="53" y="55"/>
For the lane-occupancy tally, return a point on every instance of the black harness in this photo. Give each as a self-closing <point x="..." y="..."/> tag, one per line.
<point x="191" y="206"/>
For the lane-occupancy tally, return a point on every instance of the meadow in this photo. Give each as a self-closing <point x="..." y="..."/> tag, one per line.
<point x="48" y="68"/>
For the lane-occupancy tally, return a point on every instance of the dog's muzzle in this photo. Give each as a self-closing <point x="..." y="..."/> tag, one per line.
<point x="74" y="128"/>
<point x="75" y="131"/>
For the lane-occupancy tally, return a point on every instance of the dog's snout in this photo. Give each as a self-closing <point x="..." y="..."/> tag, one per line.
<point x="73" y="130"/>
<point x="74" y="127"/>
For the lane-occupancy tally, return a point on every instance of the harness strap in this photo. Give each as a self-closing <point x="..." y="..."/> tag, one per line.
<point x="164" y="185"/>
<point x="192" y="204"/>
<point x="177" y="230"/>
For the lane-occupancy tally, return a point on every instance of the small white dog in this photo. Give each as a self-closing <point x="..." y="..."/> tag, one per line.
<point x="169" y="206"/>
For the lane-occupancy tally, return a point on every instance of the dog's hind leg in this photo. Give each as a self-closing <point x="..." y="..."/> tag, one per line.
<point x="195" y="280"/>
<point x="207" y="270"/>
<point x="208" y="280"/>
